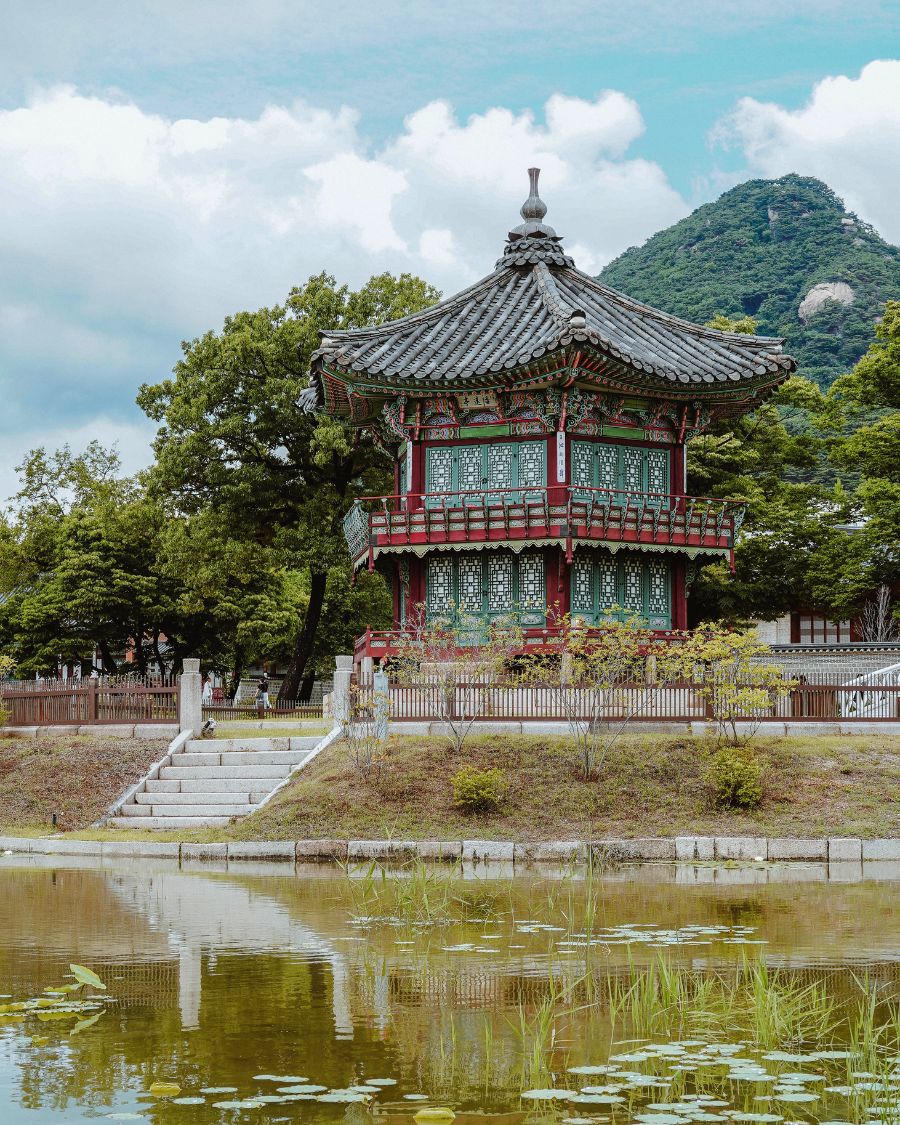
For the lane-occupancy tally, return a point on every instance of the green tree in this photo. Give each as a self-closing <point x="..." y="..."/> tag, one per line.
<point x="92" y="560"/>
<point x="742" y="325"/>
<point x="863" y="411"/>
<point x="234" y="440"/>
<point x="769" y="458"/>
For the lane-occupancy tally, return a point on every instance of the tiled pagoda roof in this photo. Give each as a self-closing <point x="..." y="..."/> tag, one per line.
<point x="535" y="303"/>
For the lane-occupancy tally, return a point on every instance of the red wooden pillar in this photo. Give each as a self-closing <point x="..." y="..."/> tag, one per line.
<point x="417" y="480"/>
<point x="558" y="601"/>
<point x="396" y="581"/>
<point x="679" y="481"/>
<point x="679" y="594"/>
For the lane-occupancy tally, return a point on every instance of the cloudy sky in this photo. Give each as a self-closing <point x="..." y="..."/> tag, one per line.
<point x="165" y="163"/>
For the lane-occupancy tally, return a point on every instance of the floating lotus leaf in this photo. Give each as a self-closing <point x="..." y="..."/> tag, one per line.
<point x="85" y="976"/>
<point x="435" y="1113"/>
<point x="280" y="1078"/>
<point x="219" y="1090"/>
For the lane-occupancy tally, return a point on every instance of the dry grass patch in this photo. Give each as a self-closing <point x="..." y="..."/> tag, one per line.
<point x="75" y="776"/>
<point x="651" y="785"/>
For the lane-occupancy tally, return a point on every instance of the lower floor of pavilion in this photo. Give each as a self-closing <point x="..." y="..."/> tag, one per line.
<point x="538" y="585"/>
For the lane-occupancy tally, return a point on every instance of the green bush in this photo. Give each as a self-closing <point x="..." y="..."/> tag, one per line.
<point x="477" y="790"/>
<point x="735" y="776"/>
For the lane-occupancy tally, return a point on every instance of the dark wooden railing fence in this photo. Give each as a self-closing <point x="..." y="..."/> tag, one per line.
<point x="85" y="702"/>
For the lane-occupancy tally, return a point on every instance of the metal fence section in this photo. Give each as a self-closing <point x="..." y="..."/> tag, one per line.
<point x="226" y="711"/>
<point x="684" y="702"/>
<point x="85" y="702"/>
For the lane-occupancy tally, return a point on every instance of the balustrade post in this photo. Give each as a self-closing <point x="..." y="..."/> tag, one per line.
<point x="190" y="697"/>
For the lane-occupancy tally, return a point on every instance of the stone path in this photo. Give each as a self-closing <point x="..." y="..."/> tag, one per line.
<point x="210" y="781"/>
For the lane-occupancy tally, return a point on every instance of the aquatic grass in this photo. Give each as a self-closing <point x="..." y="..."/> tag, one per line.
<point x="762" y="1004"/>
<point x="873" y="1037"/>
<point x="536" y="1032"/>
<point x="421" y="894"/>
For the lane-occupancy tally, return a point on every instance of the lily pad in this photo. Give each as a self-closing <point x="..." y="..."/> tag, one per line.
<point x="435" y="1113"/>
<point x="165" y="1090"/>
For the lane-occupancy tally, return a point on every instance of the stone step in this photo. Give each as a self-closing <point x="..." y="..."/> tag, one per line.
<point x="223" y="797"/>
<point x="264" y="757"/>
<point x="208" y="785"/>
<point x="193" y="773"/>
<point x="225" y="745"/>
<point x="178" y="812"/>
<point x="285" y="758"/>
<point x="156" y="786"/>
<point x="172" y="823"/>
<point x="135" y="810"/>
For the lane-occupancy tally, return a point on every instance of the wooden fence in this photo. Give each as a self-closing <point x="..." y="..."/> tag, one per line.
<point x="85" y="702"/>
<point x="807" y="702"/>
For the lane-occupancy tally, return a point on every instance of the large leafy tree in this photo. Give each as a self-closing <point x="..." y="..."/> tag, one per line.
<point x="234" y="441"/>
<point x="771" y="459"/>
<point x="863" y="411"/>
<point x="90" y="560"/>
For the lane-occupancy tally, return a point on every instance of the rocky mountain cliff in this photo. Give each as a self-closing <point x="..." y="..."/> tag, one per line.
<point x="784" y="251"/>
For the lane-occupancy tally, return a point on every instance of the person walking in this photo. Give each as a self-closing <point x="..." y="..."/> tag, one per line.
<point x="262" y="696"/>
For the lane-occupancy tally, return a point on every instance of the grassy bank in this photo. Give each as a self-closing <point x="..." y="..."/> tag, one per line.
<point x="77" y="777"/>
<point x="650" y="785"/>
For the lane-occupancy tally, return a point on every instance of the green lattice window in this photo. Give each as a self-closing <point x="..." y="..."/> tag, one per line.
<point x="621" y="468"/>
<point x="488" y="585"/>
<point x="478" y="468"/>
<point x="634" y="584"/>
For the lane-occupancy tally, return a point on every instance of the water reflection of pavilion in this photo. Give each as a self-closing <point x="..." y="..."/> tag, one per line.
<point x="148" y="927"/>
<point x="153" y="925"/>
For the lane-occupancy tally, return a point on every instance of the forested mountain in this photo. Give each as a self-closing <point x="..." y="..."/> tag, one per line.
<point x="783" y="251"/>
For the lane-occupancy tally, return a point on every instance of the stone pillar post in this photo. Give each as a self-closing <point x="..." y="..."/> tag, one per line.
<point x="190" y="697"/>
<point x="381" y="689"/>
<point x="340" y="693"/>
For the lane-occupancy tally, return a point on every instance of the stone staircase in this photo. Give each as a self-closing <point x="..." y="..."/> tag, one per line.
<point x="210" y="781"/>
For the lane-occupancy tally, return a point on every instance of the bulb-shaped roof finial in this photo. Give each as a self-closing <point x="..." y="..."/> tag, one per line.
<point x="533" y="211"/>
<point x="534" y="208"/>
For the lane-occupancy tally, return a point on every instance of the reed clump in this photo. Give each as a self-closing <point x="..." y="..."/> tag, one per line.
<point x="762" y="1003"/>
<point x="421" y="894"/>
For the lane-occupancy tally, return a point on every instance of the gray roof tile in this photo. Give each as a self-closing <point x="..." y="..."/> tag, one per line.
<point x="534" y="303"/>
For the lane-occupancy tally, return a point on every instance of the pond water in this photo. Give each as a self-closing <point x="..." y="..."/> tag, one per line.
<point x="655" y="996"/>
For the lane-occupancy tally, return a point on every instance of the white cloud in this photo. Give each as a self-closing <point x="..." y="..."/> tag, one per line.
<point x="124" y="232"/>
<point x="847" y="134"/>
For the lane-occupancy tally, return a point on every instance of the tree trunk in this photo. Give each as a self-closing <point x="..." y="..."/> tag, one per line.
<point x="109" y="664"/>
<point x="237" y="673"/>
<point x="303" y="646"/>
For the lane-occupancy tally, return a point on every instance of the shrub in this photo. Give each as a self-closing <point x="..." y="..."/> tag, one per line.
<point x="477" y="790"/>
<point x="735" y="776"/>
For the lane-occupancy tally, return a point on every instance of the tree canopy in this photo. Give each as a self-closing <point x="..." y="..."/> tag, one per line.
<point x="234" y="442"/>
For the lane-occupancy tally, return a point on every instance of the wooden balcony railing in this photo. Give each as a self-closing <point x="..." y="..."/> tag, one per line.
<point x="568" y="515"/>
